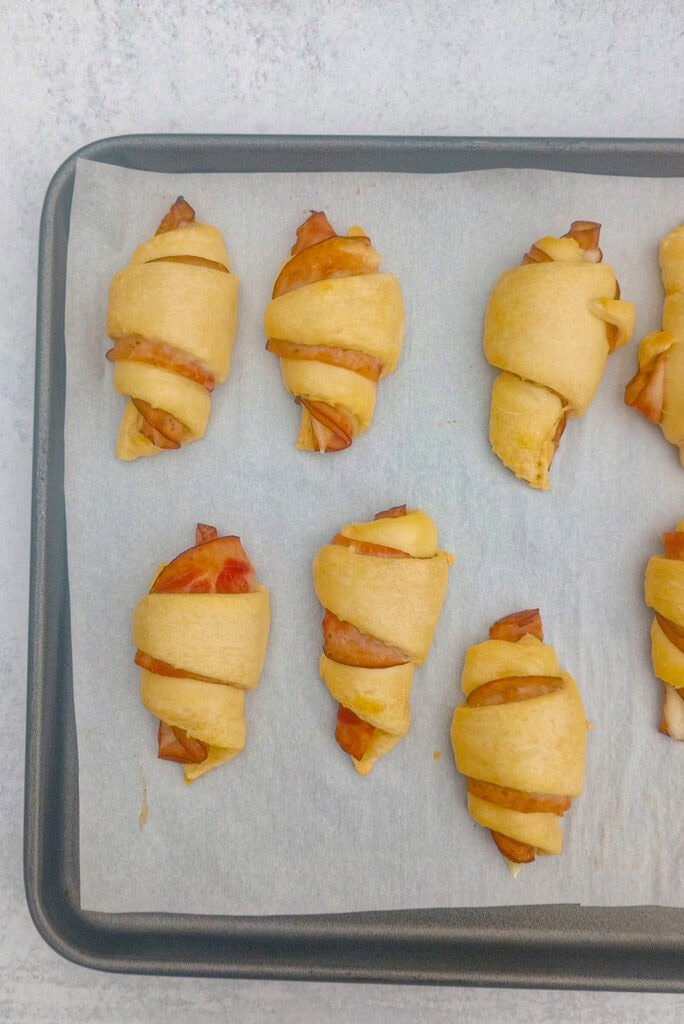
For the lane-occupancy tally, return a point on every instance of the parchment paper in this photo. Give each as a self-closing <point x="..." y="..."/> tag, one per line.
<point x="289" y="826"/>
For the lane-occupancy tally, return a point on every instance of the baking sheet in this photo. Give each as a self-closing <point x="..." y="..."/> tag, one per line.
<point x="289" y="827"/>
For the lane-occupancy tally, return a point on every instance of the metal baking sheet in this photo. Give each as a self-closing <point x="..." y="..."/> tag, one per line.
<point x="554" y="946"/>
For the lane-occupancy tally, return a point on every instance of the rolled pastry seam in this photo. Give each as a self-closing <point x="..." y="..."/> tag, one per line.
<point x="202" y="642"/>
<point x="188" y="401"/>
<point x="664" y="592"/>
<point x="172" y="315"/>
<point x="398" y="601"/>
<point x="333" y="385"/>
<point x="223" y="636"/>
<point x="657" y="389"/>
<point x="337" y="324"/>
<point x="383" y="584"/>
<point x="379" y="696"/>
<point x="215" y="714"/>
<point x="550" y="324"/>
<point x="525" y="424"/>
<point x="522" y="749"/>
<point x="541" y="831"/>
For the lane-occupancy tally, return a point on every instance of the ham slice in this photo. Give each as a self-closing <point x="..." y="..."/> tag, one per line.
<point x="512" y="689"/>
<point x="587" y="234"/>
<point x="336" y="256"/>
<point x="352" y="733"/>
<point x="333" y="427"/>
<point x="517" y="800"/>
<point x="396" y="512"/>
<point x="516" y="852"/>
<point x="175" y="745"/>
<point x="157" y="353"/>
<point x="364" y="547"/>
<point x="215" y="566"/>
<point x="674" y="544"/>
<point x="519" y="624"/>
<point x="204" y="532"/>
<point x="673" y="632"/>
<point x="180" y="213"/>
<point x="316" y="228"/>
<point x="646" y="391"/>
<point x="162" y="668"/>
<point x="159" y="426"/>
<point x="193" y="261"/>
<point x="536" y="255"/>
<point x="347" y="645"/>
<point x="351" y="359"/>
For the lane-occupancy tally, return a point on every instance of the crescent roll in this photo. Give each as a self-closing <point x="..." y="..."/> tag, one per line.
<point x="382" y="585"/>
<point x="173" y="318"/>
<point x="657" y="389"/>
<point x="520" y="739"/>
<point x="201" y="634"/>
<point x="337" y="325"/>
<point x="664" y="591"/>
<point x="550" y="326"/>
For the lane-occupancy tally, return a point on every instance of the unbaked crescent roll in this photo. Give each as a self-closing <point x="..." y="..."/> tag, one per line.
<point x="550" y="327"/>
<point x="201" y="635"/>
<point x="657" y="390"/>
<point x="664" y="591"/>
<point x="520" y="738"/>
<point x="382" y="585"/>
<point x="173" y="318"/>
<point x="337" y="325"/>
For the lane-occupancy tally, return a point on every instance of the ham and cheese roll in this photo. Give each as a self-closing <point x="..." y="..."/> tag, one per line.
<point x="657" y="389"/>
<point x="382" y="585"/>
<point x="520" y="738"/>
<point x="337" y="325"/>
<point x="173" y="318"/>
<point x="201" y="634"/>
<point x="550" y="327"/>
<point x="664" y="591"/>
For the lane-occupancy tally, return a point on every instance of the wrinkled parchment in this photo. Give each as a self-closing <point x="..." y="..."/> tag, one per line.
<point x="289" y="827"/>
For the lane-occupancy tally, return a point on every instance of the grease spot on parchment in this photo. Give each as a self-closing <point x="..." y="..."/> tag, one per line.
<point x="144" y="815"/>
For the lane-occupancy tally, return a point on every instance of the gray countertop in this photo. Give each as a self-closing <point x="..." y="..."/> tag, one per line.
<point x="76" y="71"/>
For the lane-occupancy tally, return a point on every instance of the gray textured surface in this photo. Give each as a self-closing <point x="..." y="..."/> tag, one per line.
<point x="73" y="72"/>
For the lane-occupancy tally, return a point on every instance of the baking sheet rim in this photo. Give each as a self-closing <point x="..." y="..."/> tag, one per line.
<point x="535" y="956"/>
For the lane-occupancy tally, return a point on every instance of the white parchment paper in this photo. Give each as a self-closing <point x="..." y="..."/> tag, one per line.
<point x="289" y="826"/>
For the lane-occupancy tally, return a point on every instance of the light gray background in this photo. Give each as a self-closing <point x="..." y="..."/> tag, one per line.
<point x="74" y="72"/>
